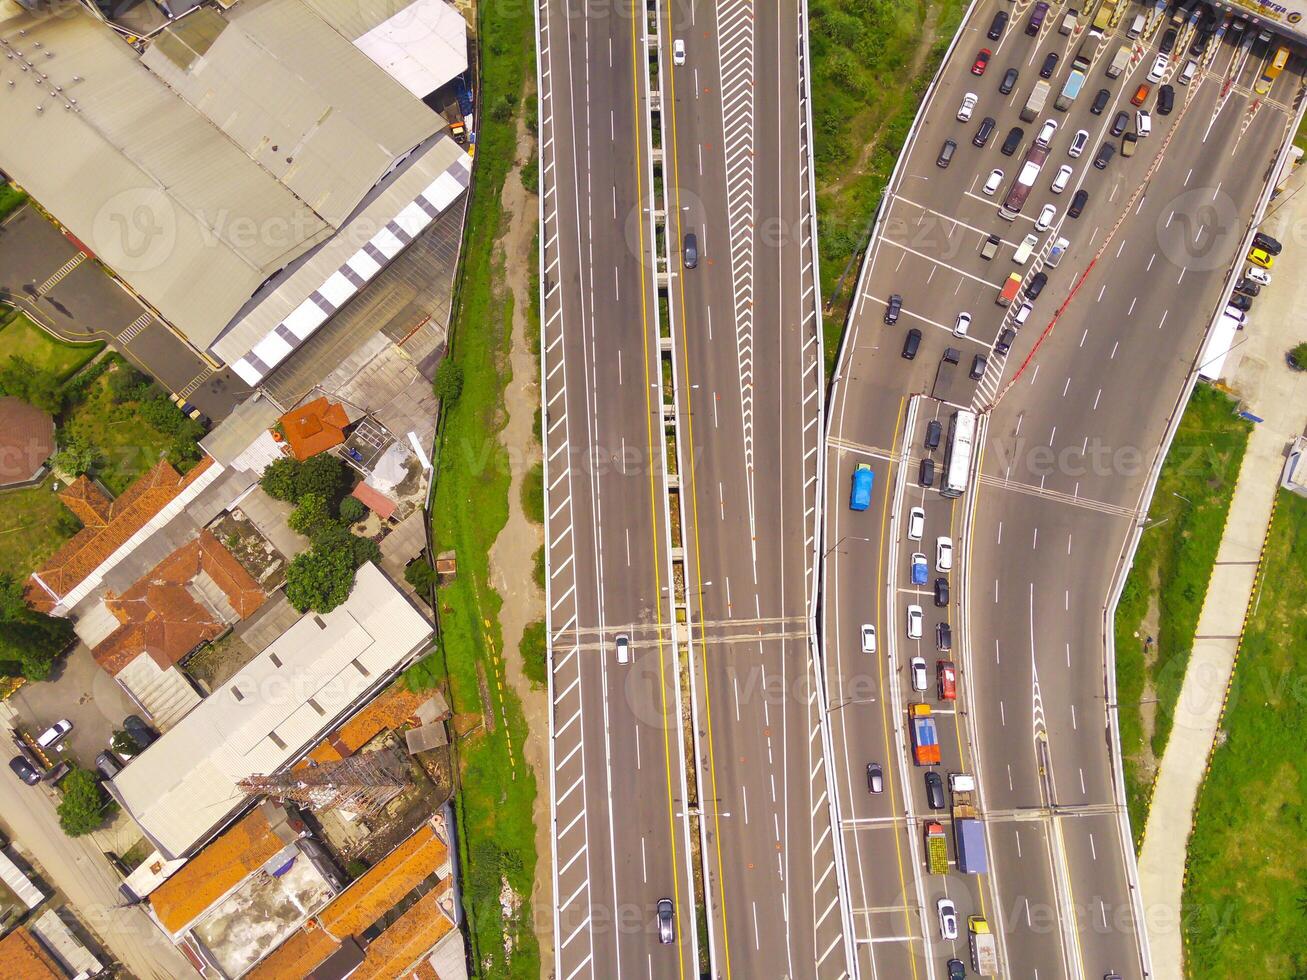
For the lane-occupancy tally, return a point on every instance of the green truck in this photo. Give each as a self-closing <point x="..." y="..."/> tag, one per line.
<point x="936" y="848"/>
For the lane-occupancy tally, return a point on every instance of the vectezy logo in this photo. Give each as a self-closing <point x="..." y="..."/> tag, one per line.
<point x="1199" y="229"/>
<point x="135" y="230"/>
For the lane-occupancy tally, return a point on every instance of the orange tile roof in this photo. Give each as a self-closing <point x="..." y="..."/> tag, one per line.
<point x="161" y="617"/>
<point x="408" y="938"/>
<point x="107" y="525"/>
<point x="26" y="440"/>
<point x="314" y="427"/>
<point x="205" y="878"/>
<point x="375" y="501"/>
<point x="390" y="710"/>
<point x="299" y="954"/>
<point x="24" y="959"/>
<point x="382" y="886"/>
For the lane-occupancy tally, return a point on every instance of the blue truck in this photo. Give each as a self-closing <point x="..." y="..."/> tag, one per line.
<point x="863" y="480"/>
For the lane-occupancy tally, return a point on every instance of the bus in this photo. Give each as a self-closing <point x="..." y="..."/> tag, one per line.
<point x="1026" y="177"/>
<point x="957" y="457"/>
<point x="1272" y="71"/>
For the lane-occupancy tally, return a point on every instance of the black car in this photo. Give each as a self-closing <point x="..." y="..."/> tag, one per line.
<point x="941" y="592"/>
<point x="1200" y="44"/>
<point x="1014" y="137"/>
<point x="911" y="341"/>
<point x="934" y="790"/>
<point x="934" y="429"/>
<point x="875" y="778"/>
<point x="1077" y="203"/>
<point x="1241" y="302"/>
<point x="139" y="730"/>
<point x="1266" y="243"/>
<point x="1036" y="285"/>
<point x="108" y="765"/>
<point x="1004" y="342"/>
<point x="956" y="971"/>
<point x="996" y="26"/>
<point x="946" y="154"/>
<point x="1049" y="66"/>
<point x="892" y="308"/>
<point x="978" y="365"/>
<point x="1168" y="41"/>
<point x="943" y="637"/>
<point x="1165" y="100"/>
<point x="1104" y="154"/>
<point x="1120" y="123"/>
<point x="1247" y="287"/>
<point x="24" y="770"/>
<point x="691" y="250"/>
<point x="1100" y="101"/>
<point x="926" y="475"/>
<point x="984" y="131"/>
<point x="1009" y="81"/>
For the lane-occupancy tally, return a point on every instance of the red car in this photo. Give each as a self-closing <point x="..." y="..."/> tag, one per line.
<point x="982" y="59"/>
<point x="947" y="676"/>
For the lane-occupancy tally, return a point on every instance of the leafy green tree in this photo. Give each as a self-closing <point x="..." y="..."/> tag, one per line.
<point x="1298" y="357"/>
<point x="28" y="636"/>
<point x="449" y="381"/>
<point x="420" y="575"/>
<point x="124" y="743"/>
<point x="324" y="474"/>
<point x="279" y="479"/>
<point x="84" y="806"/>
<point x="320" y="579"/>
<point x="21" y="378"/>
<point x="76" y="457"/>
<point x="311" y="513"/>
<point x="352" y="510"/>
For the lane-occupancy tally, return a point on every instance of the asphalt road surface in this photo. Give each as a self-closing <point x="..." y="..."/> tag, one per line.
<point x="748" y="362"/>
<point x="1068" y="449"/>
<point x="620" y="829"/>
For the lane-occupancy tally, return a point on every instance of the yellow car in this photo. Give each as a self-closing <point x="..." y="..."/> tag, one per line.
<point x="1261" y="258"/>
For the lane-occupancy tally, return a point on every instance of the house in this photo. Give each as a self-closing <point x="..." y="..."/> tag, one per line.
<point x="26" y="441"/>
<point x="314" y="427"/>
<point x="183" y="789"/>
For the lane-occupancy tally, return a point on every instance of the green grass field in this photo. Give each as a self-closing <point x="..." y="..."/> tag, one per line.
<point x="127" y="444"/>
<point x="497" y="836"/>
<point x="1167" y="584"/>
<point x="11" y="199"/>
<point x="33" y="524"/>
<point x="871" y="66"/>
<point x="21" y="337"/>
<point x="1245" y="899"/>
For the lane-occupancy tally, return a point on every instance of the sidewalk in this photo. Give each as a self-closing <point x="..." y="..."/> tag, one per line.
<point x="1257" y="373"/>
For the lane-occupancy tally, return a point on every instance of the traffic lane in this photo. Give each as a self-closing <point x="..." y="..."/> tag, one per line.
<point x="1029" y="913"/>
<point x="1105" y="914"/>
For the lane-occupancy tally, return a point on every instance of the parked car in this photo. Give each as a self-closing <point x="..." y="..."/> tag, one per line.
<point x="982" y="60"/>
<point x="139" y="730"/>
<point x="54" y="734"/>
<point x="892" y="308"/>
<point x="24" y="770"/>
<point x="108" y="764"/>
<point x="1267" y="243"/>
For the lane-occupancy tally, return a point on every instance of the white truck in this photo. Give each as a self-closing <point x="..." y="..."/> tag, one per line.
<point x="984" y="951"/>
<point x="1119" y="61"/>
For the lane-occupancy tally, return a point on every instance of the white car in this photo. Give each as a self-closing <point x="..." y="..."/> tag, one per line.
<point x="1046" y="132"/>
<point x="868" y="638"/>
<point x="918" y="673"/>
<point x="961" y="324"/>
<point x="916" y="523"/>
<point x="948" y="919"/>
<point x="1023" y="314"/>
<point x="1234" y="314"/>
<point x="1061" y="178"/>
<point x="678" y="52"/>
<point x="915" y="620"/>
<point x="1259" y="276"/>
<point x="1078" y="143"/>
<point x="623" y="643"/>
<point x="1160" y="64"/>
<point x="1046" y="215"/>
<point x="1143" y="123"/>
<point x="943" y="554"/>
<point x="56" y="732"/>
<point x="968" y="103"/>
<point x="992" y="181"/>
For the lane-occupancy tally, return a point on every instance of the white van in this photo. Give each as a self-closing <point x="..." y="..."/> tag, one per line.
<point x="1136" y="26"/>
<point x="1189" y="71"/>
<point x="1023" y="314"/>
<point x="1024" y="249"/>
<point x="1056" y="252"/>
<point x="1143" y="122"/>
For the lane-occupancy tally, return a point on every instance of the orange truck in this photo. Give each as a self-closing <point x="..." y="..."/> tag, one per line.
<point x="925" y="737"/>
<point x="1009" y="290"/>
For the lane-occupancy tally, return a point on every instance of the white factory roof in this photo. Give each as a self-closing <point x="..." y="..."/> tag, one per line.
<point x="183" y="788"/>
<point x="422" y="46"/>
<point x="176" y="167"/>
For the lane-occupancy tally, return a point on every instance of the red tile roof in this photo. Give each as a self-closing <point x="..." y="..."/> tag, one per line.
<point x="26" y="440"/>
<point x="314" y="427"/>
<point x="375" y="501"/>
<point x="161" y="617"/>
<point x="108" y="525"/>
<point x="24" y="959"/>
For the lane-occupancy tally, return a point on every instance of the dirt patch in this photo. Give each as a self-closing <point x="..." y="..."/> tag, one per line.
<point x="513" y="554"/>
<point x="215" y="663"/>
<point x="256" y="554"/>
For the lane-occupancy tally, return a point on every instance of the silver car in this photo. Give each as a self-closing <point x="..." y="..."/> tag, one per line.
<point x="666" y="928"/>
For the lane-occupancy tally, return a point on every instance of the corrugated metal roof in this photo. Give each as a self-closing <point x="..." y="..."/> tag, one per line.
<point x="422" y="46"/>
<point x="185" y="784"/>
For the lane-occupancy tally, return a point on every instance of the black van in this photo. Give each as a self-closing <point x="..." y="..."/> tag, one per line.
<point x="926" y="475"/>
<point x="1014" y="137"/>
<point x="996" y="25"/>
<point x="978" y="365"/>
<point x="984" y="131"/>
<point x="946" y="153"/>
<point x="1100" y="101"/>
<point x="910" y="344"/>
<point x="1004" y="342"/>
<point x="892" y="308"/>
<point x="1165" y="100"/>
<point x="1077" y="203"/>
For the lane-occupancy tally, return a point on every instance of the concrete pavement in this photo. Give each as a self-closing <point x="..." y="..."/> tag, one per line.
<point x="1258" y="374"/>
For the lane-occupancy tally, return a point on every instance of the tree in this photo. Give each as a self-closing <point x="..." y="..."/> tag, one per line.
<point x="21" y="378"/>
<point x="1298" y="357"/>
<point x="320" y="579"/>
<point x="84" y="806"/>
<point x="310" y="514"/>
<point x="279" y="479"/>
<point x="352" y="510"/>
<point x="449" y="381"/>
<point x="77" y="457"/>
<point x="324" y="474"/>
<point x="421" y="576"/>
<point x="28" y="636"/>
<point x="124" y="743"/>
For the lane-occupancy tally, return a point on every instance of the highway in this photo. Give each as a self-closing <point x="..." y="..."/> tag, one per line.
<point x="620" y="830"/>
<point x="748" y="368"/>
<point x="1061" y="480"/>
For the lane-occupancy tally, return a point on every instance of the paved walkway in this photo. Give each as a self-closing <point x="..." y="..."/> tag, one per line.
<point x="1259" y="376"/>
